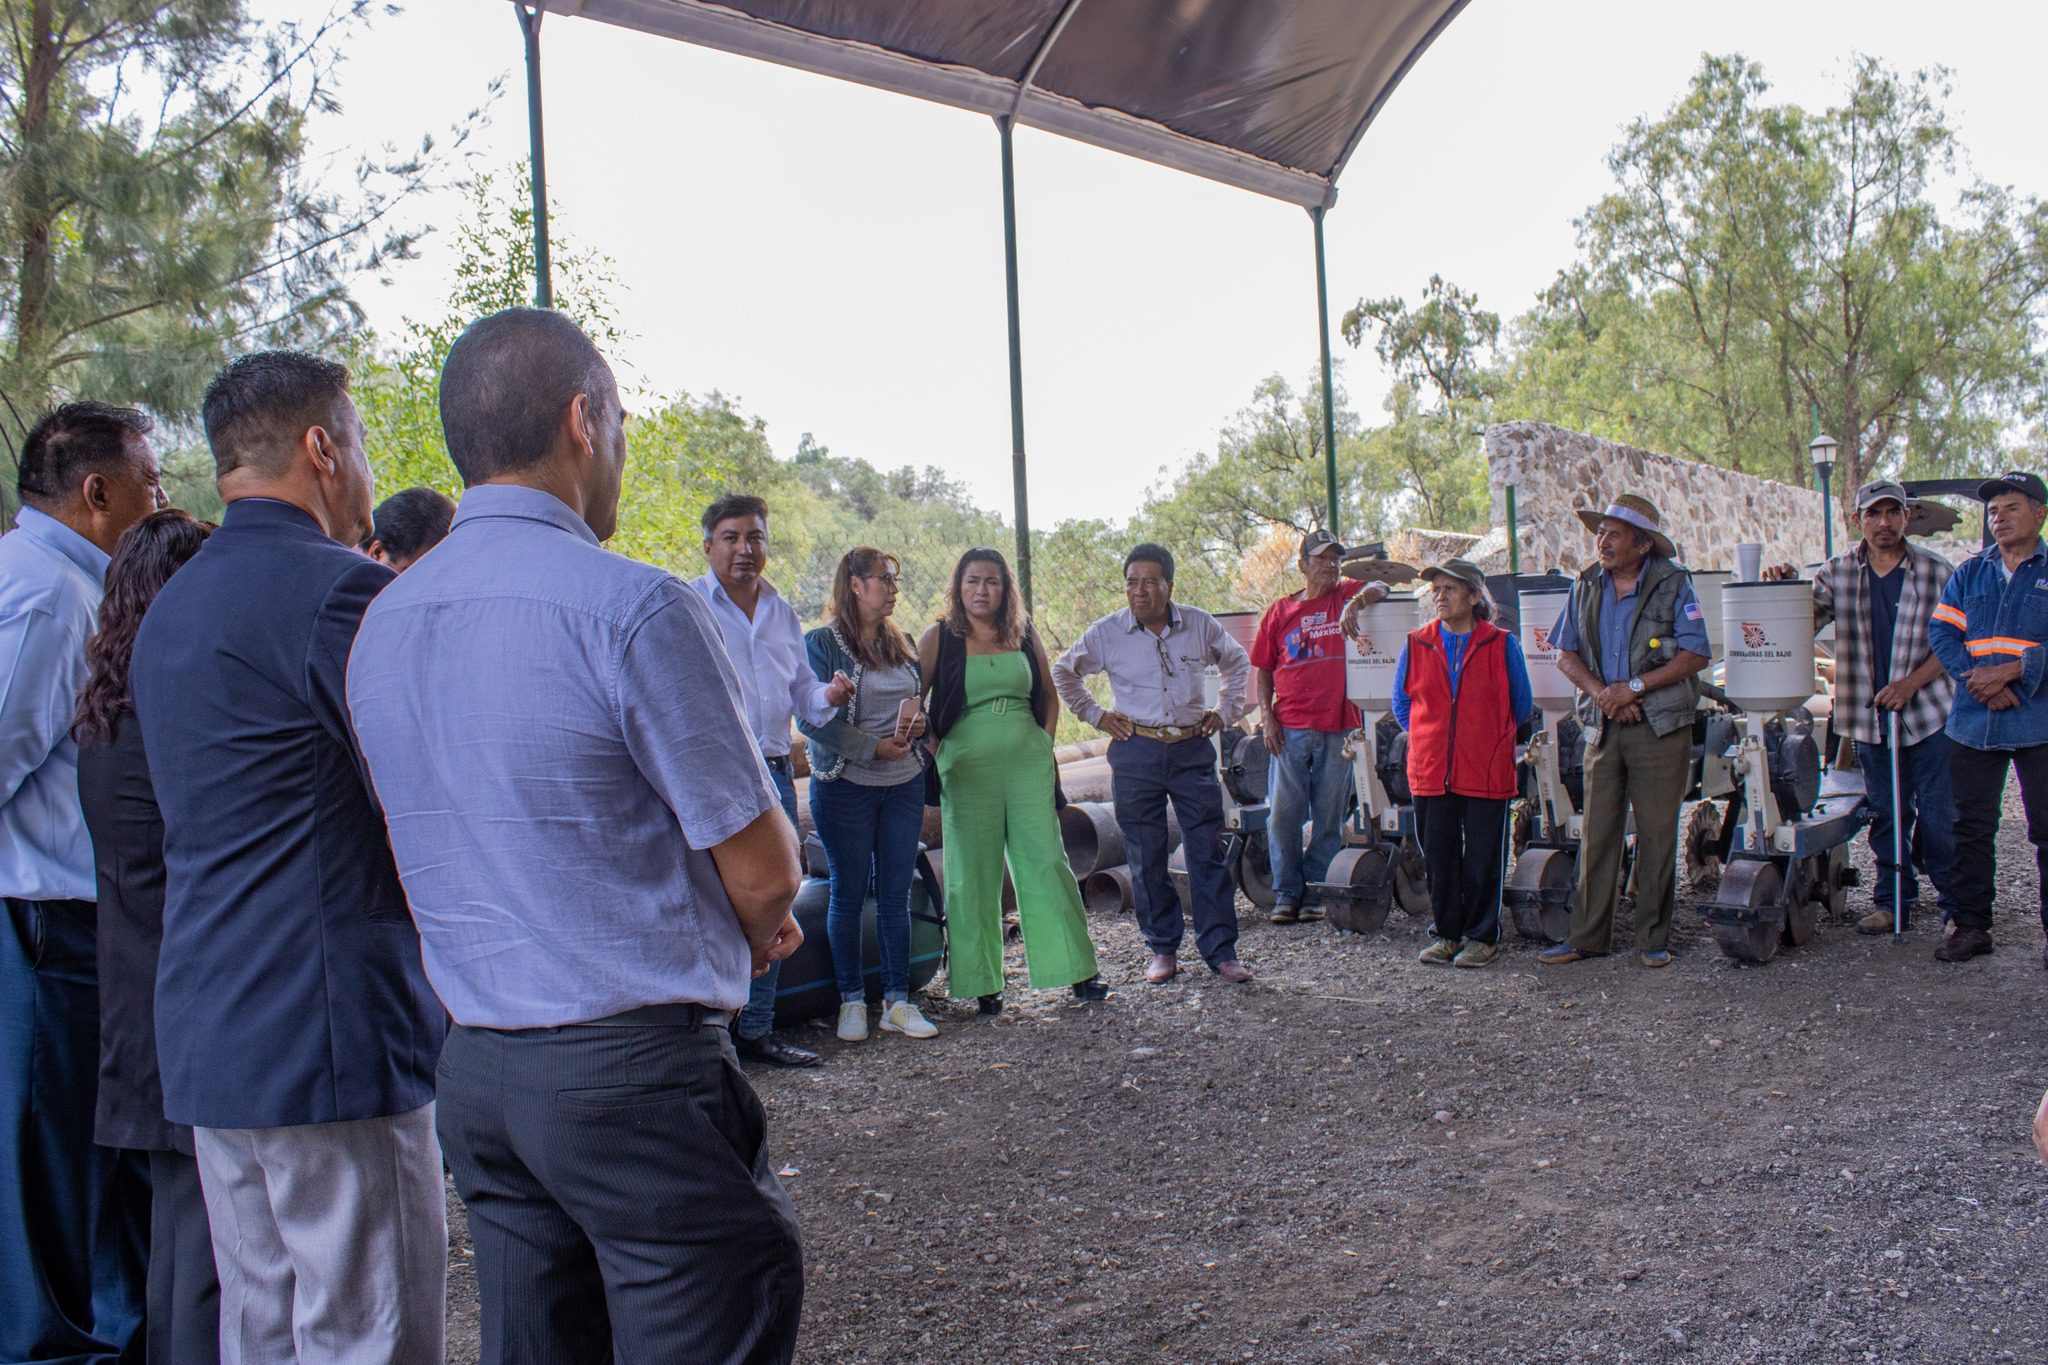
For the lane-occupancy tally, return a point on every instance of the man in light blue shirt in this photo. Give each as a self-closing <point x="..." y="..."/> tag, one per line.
<point x="597" y="863"/>
<point x="766" y="645"/>
<point x="71" y="1284"/>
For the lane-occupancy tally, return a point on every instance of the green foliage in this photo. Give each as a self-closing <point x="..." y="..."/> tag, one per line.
<point x="158" y="212"/>
<point x="677" y="451"/>
<point x="1758" y="264"/>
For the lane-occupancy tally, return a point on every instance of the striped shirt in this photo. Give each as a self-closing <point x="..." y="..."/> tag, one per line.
<point x="1841" y="593"/>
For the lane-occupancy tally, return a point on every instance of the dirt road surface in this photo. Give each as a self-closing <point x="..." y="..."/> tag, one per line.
<point x="1356" y="1158"/>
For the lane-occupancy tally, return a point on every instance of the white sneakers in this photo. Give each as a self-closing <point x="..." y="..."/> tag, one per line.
<point x="904" y="1018"/>
<point x="901" y="1017"/>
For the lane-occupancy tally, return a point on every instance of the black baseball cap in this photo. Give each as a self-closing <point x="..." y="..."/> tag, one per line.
<point x="2018" y="481"/>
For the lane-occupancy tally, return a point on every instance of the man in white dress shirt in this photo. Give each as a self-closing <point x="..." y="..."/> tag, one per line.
<point x="766" y="644"/>
<point x="1156" y="653"/>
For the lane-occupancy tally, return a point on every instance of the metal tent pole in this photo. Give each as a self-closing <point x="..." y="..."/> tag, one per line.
<point x="1017" y="464"/>
<point x="1329" y="397"/>
<point x="543" y="271"/>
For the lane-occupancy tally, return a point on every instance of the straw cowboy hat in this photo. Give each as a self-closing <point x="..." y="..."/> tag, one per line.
<point x="1638" y="512"/>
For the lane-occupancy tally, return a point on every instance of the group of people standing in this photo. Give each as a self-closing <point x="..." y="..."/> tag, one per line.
<point x="319" y="875"/>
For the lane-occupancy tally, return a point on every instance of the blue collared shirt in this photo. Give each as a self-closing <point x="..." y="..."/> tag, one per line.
<point x="767" y="653"/>
<point x="1618" y="618"/>
<point x="558" y="740"/>
<point x="51" y="581"/>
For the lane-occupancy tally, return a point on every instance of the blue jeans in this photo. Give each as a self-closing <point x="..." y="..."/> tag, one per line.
<point x="1927" y="804"/>
<point x="870" y="835"/>
<point x="759" y="1015"/>
<point x="1310" y="781"/>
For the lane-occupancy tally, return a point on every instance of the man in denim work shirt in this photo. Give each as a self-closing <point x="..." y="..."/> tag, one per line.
<point x="1156" y="653"/>
<point x="598" y="865"/>
<point x="1989" y="633"/>
<point x="1630" y="639"/>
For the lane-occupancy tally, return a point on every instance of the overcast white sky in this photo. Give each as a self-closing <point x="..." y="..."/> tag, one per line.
<point x="831" y="256"/>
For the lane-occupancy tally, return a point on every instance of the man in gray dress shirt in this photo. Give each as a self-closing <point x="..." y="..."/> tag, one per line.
<point x="1156" y="653"/>
<point x="598" y="865"/>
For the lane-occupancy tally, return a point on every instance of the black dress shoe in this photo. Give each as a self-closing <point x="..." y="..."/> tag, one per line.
<point x="772" y="1050"/>
<point x="1091" y="990"/>
<point x="989" y="1005"/>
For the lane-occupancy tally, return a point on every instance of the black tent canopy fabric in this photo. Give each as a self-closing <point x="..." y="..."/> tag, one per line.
<point x="1267" y="95"/>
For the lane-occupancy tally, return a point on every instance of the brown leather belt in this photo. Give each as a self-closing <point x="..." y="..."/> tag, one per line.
<point x="1168" y="734"/>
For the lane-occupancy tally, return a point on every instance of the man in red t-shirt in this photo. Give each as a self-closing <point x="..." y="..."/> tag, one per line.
<point x="1299" y="658"/>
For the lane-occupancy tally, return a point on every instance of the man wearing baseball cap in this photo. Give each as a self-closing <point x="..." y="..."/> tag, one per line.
<point x="1881" y="596"/>
<point x="1298" y="657"/>
<point x="1630" y="639"/>
<point x="1988" y="632"/>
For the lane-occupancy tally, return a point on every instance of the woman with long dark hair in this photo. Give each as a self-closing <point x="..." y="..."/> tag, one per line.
<point x="182" y="1313"/>
<point x="867" y="786"/>
<point x="993" y="714"/>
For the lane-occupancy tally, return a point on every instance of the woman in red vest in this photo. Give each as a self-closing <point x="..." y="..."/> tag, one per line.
<point x="1461" y="689"/>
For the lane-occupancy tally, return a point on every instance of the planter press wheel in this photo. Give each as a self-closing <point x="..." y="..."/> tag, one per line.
<point x="1537" y="871"/>
<point x="1255" y="871"/>
<point x="1411" y="882"/>
<point x="1751" y="884"/>
<point x="1363" y="868"/>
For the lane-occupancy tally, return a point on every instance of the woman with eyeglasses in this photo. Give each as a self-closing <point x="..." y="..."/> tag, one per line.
<point x="993" y="712"/>
<point x="867" y="786"/>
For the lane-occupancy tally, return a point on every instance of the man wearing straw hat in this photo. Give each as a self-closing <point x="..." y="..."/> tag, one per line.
<point x="1881" y="596"/>
<point x="1630" y="639"/>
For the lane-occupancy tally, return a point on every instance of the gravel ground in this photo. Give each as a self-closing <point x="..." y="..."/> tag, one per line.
<point x="1359" y="1158"/>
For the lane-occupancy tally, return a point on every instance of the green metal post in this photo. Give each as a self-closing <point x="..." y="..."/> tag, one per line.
<point x="1017" y="464"/>
<point x="543" y="271"/>
<point x="1329" y="388"/>
<point x="1514" y="540"/>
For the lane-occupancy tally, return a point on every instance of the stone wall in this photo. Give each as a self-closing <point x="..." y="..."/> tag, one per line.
<point x="1706" y="509"/>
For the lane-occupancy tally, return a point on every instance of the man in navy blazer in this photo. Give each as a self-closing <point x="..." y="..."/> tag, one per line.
<point x="295" y="1028"/>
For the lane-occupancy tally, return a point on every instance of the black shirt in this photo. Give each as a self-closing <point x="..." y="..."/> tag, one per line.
<point x="1884" y="619"/>
<point x="128" y="862"/>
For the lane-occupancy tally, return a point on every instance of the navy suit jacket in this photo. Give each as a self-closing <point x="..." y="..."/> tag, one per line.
<point x="289" y="989"/>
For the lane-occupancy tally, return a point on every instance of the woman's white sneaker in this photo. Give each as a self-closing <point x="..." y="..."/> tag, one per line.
<point x="853" y="1021"/>
<point x="904" y="1018"/>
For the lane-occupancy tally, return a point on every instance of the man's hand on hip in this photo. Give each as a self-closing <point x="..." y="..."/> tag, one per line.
<point x="1116" y="725"/>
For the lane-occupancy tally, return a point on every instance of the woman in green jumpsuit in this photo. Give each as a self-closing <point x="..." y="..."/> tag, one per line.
<point x="992" y="713"/>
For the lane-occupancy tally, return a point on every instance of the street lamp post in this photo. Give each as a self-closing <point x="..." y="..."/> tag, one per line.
<point x="1822" y="453"/>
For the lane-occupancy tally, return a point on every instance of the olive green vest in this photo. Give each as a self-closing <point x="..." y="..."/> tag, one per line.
<point x="1668" y="708"/>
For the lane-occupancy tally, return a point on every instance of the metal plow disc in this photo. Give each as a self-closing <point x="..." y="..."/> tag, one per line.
<point x="1254" y="872"/>
<point x="1744" y="915"/>
<point x="1411" y="883"/>
<point x="1539" y="893"/>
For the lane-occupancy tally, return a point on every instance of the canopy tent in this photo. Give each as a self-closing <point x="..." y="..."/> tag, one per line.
<point x="1271" y="96"/>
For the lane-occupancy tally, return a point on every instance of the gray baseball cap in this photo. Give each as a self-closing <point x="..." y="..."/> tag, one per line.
<point x="1877" y="490"/>
<point x="1317" y="541"/>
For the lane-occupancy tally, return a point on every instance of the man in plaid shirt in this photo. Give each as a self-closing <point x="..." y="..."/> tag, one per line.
<point x="1881" y="596"/>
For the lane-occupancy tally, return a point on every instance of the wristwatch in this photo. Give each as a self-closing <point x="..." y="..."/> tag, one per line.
<point x="1635" y="685"/>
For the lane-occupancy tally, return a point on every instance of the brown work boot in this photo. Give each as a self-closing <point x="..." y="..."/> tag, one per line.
<point x="1963" y="944"/>
<point x="1879" y="921"/>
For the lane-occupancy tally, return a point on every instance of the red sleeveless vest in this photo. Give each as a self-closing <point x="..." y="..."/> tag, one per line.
<point x="1466" y="746"/>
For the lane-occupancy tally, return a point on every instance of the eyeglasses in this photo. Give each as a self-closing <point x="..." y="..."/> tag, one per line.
<point x="889" y="578"/>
